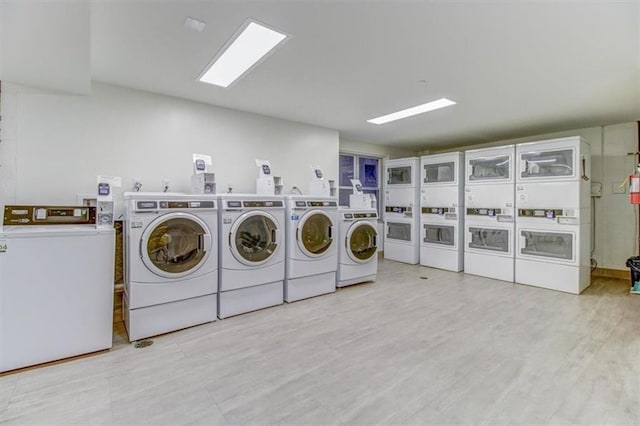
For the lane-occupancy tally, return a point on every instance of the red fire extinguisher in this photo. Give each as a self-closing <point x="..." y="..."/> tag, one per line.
<point x="634" y="187"/>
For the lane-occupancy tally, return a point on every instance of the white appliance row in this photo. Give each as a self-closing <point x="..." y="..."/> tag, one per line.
<point x="529" y="222"/>
<point x="194" y="258"/>
<point x="514" y="213"/>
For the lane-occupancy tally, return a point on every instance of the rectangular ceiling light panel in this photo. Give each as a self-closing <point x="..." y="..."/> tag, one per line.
<point x="419" y="109"/>
<point x="251" y="43"/>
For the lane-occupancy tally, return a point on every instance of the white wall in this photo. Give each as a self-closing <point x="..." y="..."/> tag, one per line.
<point x="55" y="145"/>
<point x="382" y="151"/>
<point x="616" y="221"/>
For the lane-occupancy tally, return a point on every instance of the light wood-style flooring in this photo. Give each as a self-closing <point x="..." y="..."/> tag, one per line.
<point x="449" y="349"/>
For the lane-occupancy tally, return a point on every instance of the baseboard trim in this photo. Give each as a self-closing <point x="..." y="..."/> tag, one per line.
<point x="611" y="273"/>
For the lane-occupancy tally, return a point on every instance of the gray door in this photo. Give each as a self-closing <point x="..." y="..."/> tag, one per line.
<point x="254" y="238"/>
<point x="399" y="175"/>
<point x="547" y="163"/>
<point x="439" y="234"/>
<point x="175" y="245"/>
<point x="490" y="168"/>
<point x="489" y="239"/>
<point x="361" y="242"/>
<point x="399" y="231"/>
<point x="556" y="245"/>
<point x="439" y="173"/>
<point x="315" y="233"/>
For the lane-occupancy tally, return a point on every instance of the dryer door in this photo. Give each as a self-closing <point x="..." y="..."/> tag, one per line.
<point x="362" y="242"/>
<point x="254" y="238"/>
<point x="315" y="233"/>
<point x="175" y="245"/>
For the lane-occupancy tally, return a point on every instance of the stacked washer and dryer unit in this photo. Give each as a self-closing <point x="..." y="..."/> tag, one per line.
<point x="401" y="215"/>
<point x="489" y="212"/>
<point x="171" y="274"/>
<point x="553" y="231"/>
<point x="442" y="213"/>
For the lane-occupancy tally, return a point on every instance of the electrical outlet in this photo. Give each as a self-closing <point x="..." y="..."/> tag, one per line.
<point x="137" y="184"/>
<point x="616" y="189"/>
<point x="596" y="189"/>
<point x="166" y="184"/>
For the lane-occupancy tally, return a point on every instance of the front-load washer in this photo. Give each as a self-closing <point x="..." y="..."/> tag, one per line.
<point x="171" y="275"/>
<point x="311" y="249"/>
<point x="358" y="249"/>
<point x="252" y="265"/>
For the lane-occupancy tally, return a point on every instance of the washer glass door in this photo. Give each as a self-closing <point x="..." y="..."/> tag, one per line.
<point x="315" y="233"/>
<point x="361" y="242"/>
<point x="175" y="244"/>
<point x="254" y="238"/>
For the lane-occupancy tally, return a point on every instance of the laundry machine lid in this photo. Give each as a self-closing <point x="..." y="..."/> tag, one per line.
<point x="361" y="241"/>
<point x="254" y="238"/>
<point x="314" y="233"/>
<point x="175" y="245"/>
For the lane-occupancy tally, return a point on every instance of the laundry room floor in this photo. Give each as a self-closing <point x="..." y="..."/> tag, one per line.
<point x="418" y="346"/>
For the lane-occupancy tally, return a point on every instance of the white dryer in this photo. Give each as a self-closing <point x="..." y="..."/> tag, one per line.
<point x="553" y="222"/>
<point x="311" y="249"/>
<point x="402" y="211"/>
<point x="172" y="264"/>
<point x="489" y="212"/>
<point x="251" y="253"/>
<point x="358" y="249"/>
<point x="442" y="208"/>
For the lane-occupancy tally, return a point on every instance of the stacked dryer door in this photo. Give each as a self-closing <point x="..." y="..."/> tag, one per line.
<point x="251" y="253"/>
<point x="489" y="212"/>
<point x="311" y="252"/>
<point x="553" y="221"/>
<point x="358" y="250"/>
<point x="442" y="213"/>
<point x="402" y="217"/>
<point x="172" y="261"/>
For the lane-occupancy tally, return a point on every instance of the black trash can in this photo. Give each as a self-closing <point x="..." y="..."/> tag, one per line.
<point x="633" y="263"/>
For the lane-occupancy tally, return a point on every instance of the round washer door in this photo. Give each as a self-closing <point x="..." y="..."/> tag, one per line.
<point x="361" y="242"/>
<point x="314" y="233"/>
<point x="254" y="238"/>
<point x="175" y="245"/>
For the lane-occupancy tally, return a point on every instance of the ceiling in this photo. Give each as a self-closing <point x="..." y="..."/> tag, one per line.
<point x="514" y="68"/>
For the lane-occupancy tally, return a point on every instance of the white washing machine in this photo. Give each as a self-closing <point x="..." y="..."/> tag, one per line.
<point x="553" y="220"/>
<point x="442" y="211"/>
<point x="358" y="249"/>
<point x="56" y="285"/>
<point x="311" y="249"/>
<point x="401" y="214"/>
<point x="489" y="212"/>
<point x="252" y="253"/>
<point x="171" y="275"/>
